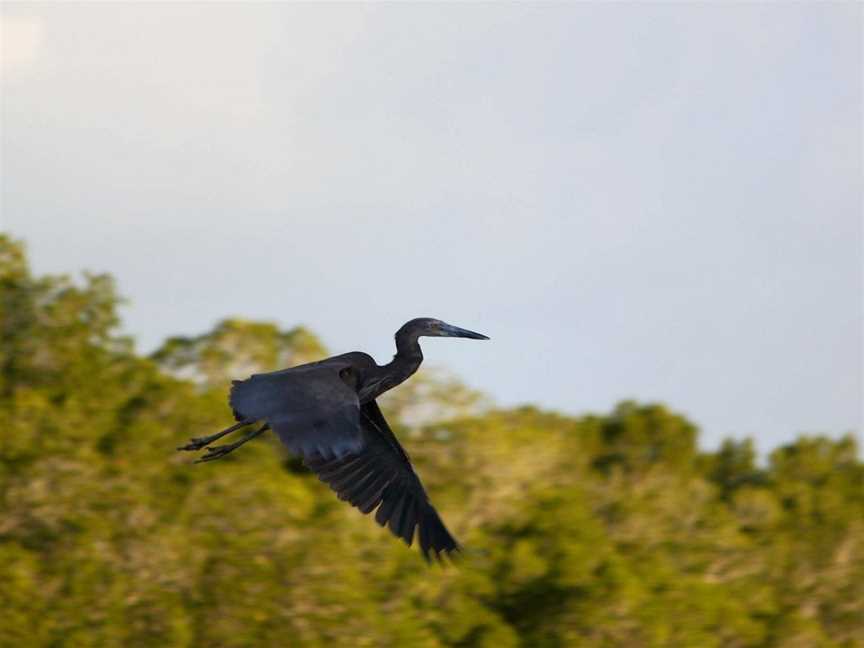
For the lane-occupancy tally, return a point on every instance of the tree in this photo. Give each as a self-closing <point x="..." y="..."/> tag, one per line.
<point x="236" y="348"/>
<point x="599" y="530"/>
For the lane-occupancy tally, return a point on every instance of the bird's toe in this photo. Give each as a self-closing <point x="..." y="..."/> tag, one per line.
<point x="215" y="452"/>
<point x="195" y="443"/>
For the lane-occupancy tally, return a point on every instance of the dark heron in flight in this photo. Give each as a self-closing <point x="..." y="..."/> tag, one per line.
<point x="326" y="413"/>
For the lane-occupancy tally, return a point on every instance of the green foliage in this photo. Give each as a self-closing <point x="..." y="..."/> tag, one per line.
<point x="237" y="348"/>
<point x="592" y="531"/>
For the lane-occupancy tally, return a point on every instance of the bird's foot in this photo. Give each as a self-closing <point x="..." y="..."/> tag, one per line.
<point x="217" y="452"/>
<point x="195" y="443"/>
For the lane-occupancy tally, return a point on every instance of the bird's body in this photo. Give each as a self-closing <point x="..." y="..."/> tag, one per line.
<point x="326" y="413"/>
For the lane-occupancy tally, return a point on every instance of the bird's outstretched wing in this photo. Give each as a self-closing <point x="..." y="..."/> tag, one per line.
<point x="312" y="407"/>
<point x="380" y="474"/>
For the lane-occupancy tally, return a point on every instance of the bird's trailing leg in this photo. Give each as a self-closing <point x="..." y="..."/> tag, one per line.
<point x="217" y="452"/>
<point x="197" y="443"/>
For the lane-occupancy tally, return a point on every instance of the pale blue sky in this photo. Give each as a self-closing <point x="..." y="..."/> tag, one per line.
<point x="660" y="202"/>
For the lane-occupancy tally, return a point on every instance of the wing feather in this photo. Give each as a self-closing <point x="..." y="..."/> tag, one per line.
<point x="389" y="500"/>
<point x="310" y="407"/>
<point x="395" y="521"/>
<point x="380" y="475"/>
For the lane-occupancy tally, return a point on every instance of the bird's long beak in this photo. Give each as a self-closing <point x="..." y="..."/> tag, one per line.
<point x="448" y="330"/>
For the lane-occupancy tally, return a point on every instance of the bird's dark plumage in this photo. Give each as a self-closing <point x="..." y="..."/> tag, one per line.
<point x="326" y="413"/>
<point x="381" y="475"/>
<point x="312" y="408"/>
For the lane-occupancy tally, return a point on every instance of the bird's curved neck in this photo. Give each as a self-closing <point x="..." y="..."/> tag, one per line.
<point x="408" y="354"/>
<point x="406" y="361"/>
<point x="407" y="347"/>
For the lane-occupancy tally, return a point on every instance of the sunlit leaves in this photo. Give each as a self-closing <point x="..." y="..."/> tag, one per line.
<point x="607" y="530"/>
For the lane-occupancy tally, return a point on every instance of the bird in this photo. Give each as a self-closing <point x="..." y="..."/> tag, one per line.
<point x="326" y="413"/>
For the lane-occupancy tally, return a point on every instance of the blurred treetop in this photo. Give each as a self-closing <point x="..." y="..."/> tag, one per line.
<point x="598" y="530"/>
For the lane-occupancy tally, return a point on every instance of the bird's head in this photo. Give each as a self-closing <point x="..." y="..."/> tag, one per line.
<point x="431" y="327"/>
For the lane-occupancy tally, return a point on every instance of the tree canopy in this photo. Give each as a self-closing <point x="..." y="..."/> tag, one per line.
<point x="597" y="530"/>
